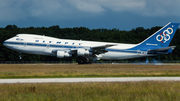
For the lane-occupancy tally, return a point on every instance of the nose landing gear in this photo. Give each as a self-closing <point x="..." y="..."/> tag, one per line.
<point x="20" y="57"/>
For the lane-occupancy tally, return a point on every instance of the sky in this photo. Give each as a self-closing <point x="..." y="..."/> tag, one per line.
<point x="92" y="14"/>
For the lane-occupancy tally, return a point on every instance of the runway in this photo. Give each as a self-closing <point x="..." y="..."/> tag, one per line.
<point x="76" y="80"/>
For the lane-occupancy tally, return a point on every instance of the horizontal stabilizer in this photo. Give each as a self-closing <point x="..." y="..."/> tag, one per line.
<point x="162" y="50"/>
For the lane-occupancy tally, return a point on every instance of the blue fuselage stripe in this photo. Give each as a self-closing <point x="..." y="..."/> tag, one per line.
<point x="64" y="46"/>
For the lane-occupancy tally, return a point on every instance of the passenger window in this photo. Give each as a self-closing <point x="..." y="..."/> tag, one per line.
<point x="58" y="43"/>
<point x="18" y="39"/>
<point x="36" y="40"/>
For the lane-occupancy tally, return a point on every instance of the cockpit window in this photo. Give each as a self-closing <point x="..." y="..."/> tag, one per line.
<point x="17" y="36"/>
<point x="18" y="39"/>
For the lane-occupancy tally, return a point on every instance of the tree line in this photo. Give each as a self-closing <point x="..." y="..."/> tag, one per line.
<point x="133" y="36"/>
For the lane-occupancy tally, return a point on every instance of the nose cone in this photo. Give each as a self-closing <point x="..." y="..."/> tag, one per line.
<point x="5" y="43"/>
<point x="9" y="43"/>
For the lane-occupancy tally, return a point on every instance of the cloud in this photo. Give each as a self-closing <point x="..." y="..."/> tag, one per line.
<point x="87" y="5"/>
<point x="45" y="8"/>
<point x="123" y="5"/>
<point x="162" y="8"/>
<point x="12" y="10"/>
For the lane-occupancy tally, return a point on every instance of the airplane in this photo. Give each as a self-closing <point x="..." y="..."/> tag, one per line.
<point x="86" y="52"/>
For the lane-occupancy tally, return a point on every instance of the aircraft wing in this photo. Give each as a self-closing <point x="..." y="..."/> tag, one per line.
<point x="162" y="50"/>
<point x="95" y="50"/>
<point x="103" y="46"/>
<point x="101" y="49"/>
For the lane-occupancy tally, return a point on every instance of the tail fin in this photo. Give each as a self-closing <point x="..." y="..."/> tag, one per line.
<point x="162" y="37"/>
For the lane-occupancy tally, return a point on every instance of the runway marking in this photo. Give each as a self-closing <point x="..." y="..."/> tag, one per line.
<point x="75" y="80"/>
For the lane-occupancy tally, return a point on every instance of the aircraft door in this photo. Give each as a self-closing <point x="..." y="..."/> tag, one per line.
<point x="47" y="46"/>
<point x="25" y="44"/>
<point x="138" y="52"/>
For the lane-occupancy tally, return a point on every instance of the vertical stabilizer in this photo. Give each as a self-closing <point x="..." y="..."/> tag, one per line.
<point x="161" y="38"/>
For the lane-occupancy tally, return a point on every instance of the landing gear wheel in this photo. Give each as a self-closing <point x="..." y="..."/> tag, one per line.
<point x="83" y="60"/>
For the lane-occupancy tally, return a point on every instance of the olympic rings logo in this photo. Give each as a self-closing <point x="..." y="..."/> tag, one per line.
<point x="165" y="35"/>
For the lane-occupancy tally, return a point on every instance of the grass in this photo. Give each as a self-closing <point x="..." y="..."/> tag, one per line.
<point x="99" y="91"/>
<point x="104" y="91"/>
<point x="103" y="70"/>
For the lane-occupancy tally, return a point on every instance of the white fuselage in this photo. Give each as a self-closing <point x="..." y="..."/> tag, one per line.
<point x="44" y="45"/>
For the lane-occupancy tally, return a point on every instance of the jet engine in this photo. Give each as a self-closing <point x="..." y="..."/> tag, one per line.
<point x="82" y="52"/>
<point x="62" y="54"/>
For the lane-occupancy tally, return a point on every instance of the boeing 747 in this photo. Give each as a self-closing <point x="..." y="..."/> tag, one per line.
<point x="88" y="51"/>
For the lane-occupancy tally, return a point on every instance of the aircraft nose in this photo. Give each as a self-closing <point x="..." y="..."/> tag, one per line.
<point x="4" y="43"/>
<point x="7" y="44"/>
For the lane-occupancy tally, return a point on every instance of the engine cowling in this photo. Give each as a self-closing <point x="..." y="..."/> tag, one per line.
<point x="82" y="52"/>
<point x="62" y="54"/>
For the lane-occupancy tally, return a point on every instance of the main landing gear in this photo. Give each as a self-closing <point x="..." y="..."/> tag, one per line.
<point x="83" y="60"/>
